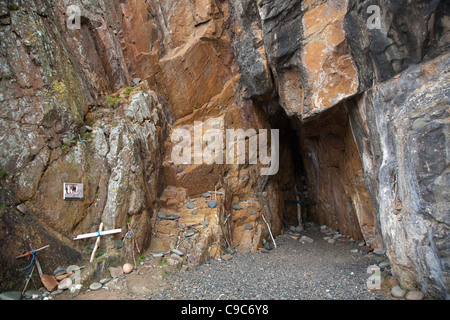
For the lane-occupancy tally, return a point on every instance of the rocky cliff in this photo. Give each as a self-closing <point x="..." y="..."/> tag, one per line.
<point x="361" y="103"/>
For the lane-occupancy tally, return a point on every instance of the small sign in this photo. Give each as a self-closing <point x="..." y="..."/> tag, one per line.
<point x="73" y="191"/>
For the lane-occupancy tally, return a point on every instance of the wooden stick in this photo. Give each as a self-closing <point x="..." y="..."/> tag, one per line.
<point x="31" y="252"/>
<point x="96" y="234"/>
<point x="268" y="226"/>
<point x="97" y="242"/>
<point x="28" y="280"/>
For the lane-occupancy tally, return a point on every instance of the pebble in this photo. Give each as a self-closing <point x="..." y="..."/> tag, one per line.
<point x="157" y="254"/>
<point x="354" y="250"/>
<point x="127" y="268"/>
<point x="237" y="206"/>
<point x="64" y="284"/>
<point x="22" y="208"/>
<point x="180" y="170"/>
<point x="331" y="241"/>
<point x="33" y="294"/>
<point x="306" y="239"/>
<point x="59" y="271"/>
<point x="414" y="295"/>
<point x="384" y="264"/>
<point x="178" y="252"/>
<point x="206" y="195"/>
<point x="165" y="216"/>
<point x="11" y="295"/>
<point x="248" y="227"/>
<point x="227" y="257"/>
<point x="54" y="293"/>
<point x="118" y="244"/>
<point x="115" y="271"/>
<point x="190" y="205"/>
<point x="76" y="287"/>
<point x="397" y="292"/>
<point x="105" y="280"/>
<point x="379" y="251"/>
<point x="189" y="233"/>
<point x="212" y="204"/>
<point x="162" y="215"/>
<point x="194" y="212"/>
<point x="95" y="286"/>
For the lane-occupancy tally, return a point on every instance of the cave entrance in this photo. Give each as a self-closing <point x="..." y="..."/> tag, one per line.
<point x="321" y="173"/>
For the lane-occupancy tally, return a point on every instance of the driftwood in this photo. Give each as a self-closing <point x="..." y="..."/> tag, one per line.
<point x="270" y="231"/>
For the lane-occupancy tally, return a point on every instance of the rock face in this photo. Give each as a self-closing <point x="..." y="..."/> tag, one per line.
<point x="409" y="160"/>
<point x="360" y="101"/>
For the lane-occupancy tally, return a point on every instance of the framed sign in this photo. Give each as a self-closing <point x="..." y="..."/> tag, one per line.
<point x="73" y="191"/>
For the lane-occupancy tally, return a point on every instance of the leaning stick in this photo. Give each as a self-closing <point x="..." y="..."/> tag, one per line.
<point x="268" y="226"/>
<point x="28" y="280"/>
<point x="97" y="242"/>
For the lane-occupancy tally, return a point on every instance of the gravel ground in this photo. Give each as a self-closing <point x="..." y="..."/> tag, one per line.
<point x="294" y="271"/>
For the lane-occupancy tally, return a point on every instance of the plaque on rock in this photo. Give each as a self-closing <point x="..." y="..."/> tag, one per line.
<point x="73" y="191"/>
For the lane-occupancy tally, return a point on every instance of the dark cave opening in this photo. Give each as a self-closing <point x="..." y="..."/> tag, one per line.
<point x="321" y="174"/>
